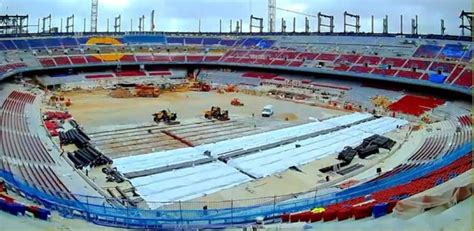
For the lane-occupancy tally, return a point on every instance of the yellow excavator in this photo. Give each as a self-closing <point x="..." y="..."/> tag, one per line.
<point x="216" y="113"/>
<point x="166" y="116"/>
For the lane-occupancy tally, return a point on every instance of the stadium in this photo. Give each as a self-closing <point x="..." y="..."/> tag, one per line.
<point x="249" y="126"/>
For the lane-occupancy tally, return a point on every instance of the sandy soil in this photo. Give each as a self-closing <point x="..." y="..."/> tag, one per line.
<point x="97" y="108"/>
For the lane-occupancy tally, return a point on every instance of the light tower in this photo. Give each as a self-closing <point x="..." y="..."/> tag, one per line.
<point x="271" y="15"/>
<point x="94" y="15"/>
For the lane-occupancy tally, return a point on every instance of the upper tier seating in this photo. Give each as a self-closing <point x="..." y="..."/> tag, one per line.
<point x="409" y="74"/>
<point x="52" y="43"/>
<point x="348" y="58"/>
<point x="417" y="64"/>
<point x="443" y="67"/>
<point x="370" y="60"/>
<point x="69" y="42"/>
<point x="193" y="41"/>
<point x="427" y="51"/>
<point x="21" y="44"/>
<point x="327" y="57"/>
<point x="465" y="79"/>
<point x="452" y="51"/>
<point x="144" y="39"/>
<point x="395" y="62"/>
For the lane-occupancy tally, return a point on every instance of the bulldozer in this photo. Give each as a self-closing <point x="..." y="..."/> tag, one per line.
<point x="236" y="102"/>
<point x="216" y="113"/>
<point x="166" y="116"/>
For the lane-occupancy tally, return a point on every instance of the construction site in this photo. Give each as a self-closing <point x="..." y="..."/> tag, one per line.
<point x="211" y="125"/>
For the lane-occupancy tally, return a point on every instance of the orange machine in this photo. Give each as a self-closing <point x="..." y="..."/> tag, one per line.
<point x="200" y="86"/>
<point x="147" y="91"/>
<point x="236" y="102"/>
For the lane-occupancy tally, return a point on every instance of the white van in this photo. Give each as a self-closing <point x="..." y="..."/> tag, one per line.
<point x="267" y="111"/>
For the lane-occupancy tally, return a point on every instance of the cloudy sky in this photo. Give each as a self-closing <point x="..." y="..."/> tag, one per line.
<point x="184" y="15"/>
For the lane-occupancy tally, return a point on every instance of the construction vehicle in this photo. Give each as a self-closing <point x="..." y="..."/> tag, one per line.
<point x="200" y="86"/>
<point x="147" y="91"/>
<point x="236" y="102"/>
<point x="216" y="113"/>
<point x="166" y="116"/>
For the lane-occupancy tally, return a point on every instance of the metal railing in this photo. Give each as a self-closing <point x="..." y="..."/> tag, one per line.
<point x="221" y="213"/>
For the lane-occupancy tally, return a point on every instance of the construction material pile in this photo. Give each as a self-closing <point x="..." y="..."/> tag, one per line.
<point x="88" y="156"/>
<point x="121" y="93"/>
<point x="381" y="101"/>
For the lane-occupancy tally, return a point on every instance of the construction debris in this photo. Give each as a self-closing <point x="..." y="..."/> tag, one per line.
<point x="381" y="101"/>
<point x="121" y="93"/>
<point x="147" y="91"/>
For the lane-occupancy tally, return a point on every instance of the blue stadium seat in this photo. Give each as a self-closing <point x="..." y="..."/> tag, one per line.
<point x="453" y="51"/>
<point x="21" y="44"/>
<point x="467" y="56"/>
<point x="380" y="210"/>
<point x="69" y="42"/>
<point x="174" y="40"/>
<point x="211" y="41"/>
<point x="428" y="51"/>
<point x="82" y="40"/>
<point x="52" y="43"/>
<point x="8" y="44"/>
<point x="227" y="42"/>
<point x="36" y="43"/>
<point x="265" y="44"/>
<point x="195" y="41"/>
<point x="144" y="39"/>
<point x="251" y="42"/>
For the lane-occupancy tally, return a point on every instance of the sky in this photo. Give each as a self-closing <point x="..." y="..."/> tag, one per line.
<point x="184" y="15"/>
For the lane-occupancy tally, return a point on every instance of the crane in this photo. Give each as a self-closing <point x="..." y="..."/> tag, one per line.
<point x="94" y="15"/>
<point x="296" y="12"/>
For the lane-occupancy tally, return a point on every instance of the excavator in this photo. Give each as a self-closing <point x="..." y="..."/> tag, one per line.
<point x="216" y="113"/>
<point x="166" y="116"/>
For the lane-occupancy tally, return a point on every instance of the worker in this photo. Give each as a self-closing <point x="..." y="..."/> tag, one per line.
<point x="253" y="115"/>
<point x="204" y="209"/>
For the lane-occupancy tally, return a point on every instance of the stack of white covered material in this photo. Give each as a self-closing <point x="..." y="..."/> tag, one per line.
<point x="188" y="183"/>
<point x="279" y="159"/>
<point x="164" y="158"/>
<point x="158" y="159"/>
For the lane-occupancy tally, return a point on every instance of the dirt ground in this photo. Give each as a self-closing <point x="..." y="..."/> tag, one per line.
<point x="96" y="108"/>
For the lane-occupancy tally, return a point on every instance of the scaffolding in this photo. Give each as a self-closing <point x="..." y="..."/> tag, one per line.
<point x="321" y="24"/>
<point x="259" y="25"/>
<point x="466" y="16"/>
<point x="414" y="25"/>
<point x="69" y="24"/>
<point x="94" y="15"/>
<point x="356" y="26"/>
<point x="271" y="15"/>
<point x="118" y="24"/>
<point x="13" y="24"/>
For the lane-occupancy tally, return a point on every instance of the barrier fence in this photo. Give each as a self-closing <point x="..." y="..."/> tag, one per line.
<point x="99" y="210"/>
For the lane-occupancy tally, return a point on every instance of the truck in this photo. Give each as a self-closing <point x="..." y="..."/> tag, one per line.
<point x="267" y="111"/>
